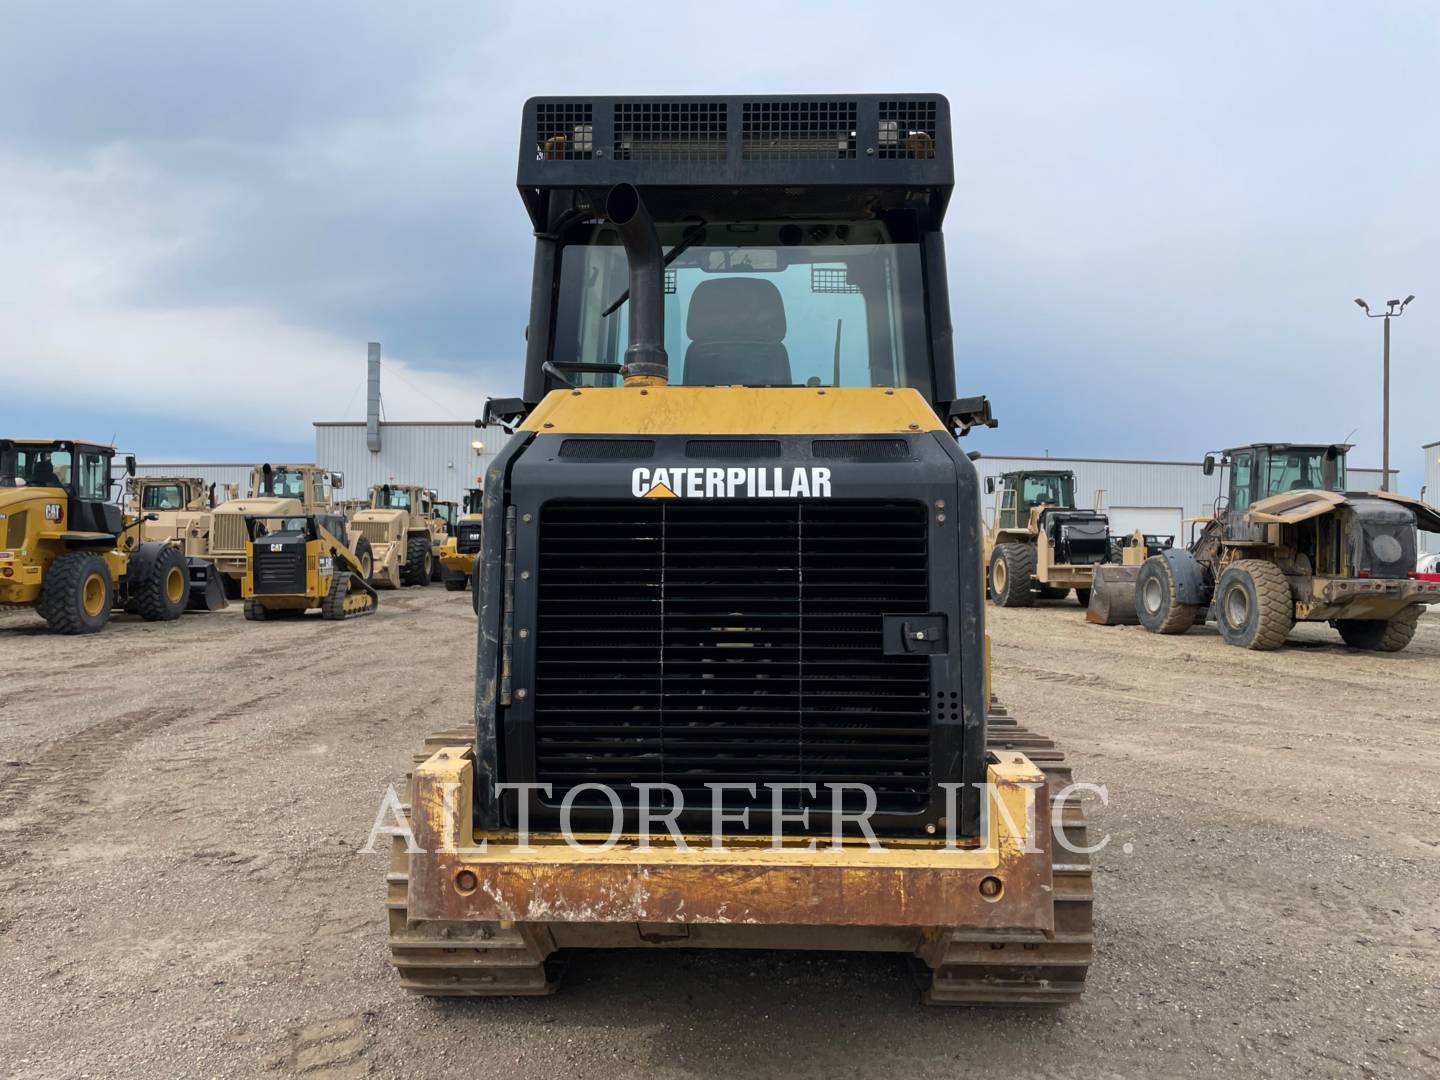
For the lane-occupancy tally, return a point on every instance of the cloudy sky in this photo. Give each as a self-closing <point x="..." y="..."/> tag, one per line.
<point x="1162" y="210"/>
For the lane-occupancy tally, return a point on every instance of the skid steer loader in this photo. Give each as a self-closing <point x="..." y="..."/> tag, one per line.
<point x="1290" y="544"/>
<point x="298" y="563"/>
<point x="71" y="553"/>
<point x="730" y="581"/>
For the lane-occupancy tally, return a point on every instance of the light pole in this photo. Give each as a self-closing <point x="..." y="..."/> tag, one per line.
<point x="1393" y="309"/>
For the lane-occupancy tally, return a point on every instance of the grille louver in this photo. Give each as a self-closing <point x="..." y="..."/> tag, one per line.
<point x="798" y="130"/>
<point x="229" y="536"/>
<point x="670" y="131"/>
<point x="691" y="643"/>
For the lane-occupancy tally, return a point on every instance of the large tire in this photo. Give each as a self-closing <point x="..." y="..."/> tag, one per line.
<point x="1012" y="575"/>
<point x="437" y="572"/>
<point x="1253" y="605"/>
<point x="1157" y="601"/>
<point x="455" y="581"/>
<point x="365" y="556"/>
<point x="418" y="561"/>
<point x="1381" y="635"/>
<point x="158" y="582"/>
<point x="1082" y="597"/>
<point x="77" y="595"/>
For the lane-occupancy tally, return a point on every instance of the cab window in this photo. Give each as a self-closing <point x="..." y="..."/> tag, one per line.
<point x="1242" y="481"/>
<point x="163" y="497"/>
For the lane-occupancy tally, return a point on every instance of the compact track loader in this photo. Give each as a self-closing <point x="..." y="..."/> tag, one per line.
<point x="731" y="605"/>
<point x="69" y="551"/>
<point x="1289" y="544"/>
<point x="278" y="491"/>
<point x="299" y="563"/>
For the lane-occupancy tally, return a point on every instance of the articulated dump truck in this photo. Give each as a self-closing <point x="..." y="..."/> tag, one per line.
<point x="732" y="683"/>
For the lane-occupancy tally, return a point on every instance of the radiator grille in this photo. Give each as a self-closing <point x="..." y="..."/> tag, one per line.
<point x="15" y="529"/>
<point x="468" y="538"/>
<point x="228" y="535"/>
<point x="692" y="643"/>
<point x="276" y="572"/>
<point x="377" y="532"/>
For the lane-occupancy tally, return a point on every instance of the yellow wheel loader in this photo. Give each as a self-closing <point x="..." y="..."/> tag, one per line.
<point x="731" y="664"/>
<point x="71" y="553"/>
<point x="1288" y="543"/>
<point x="298" y="563"/>
<point x="404" y="533"/>
<point x="457" y="556"/>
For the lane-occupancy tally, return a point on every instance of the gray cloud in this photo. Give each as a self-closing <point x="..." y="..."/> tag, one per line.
<point x="1161" y="213"/>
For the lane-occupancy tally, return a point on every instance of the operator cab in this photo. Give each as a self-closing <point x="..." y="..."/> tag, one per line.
<point x="1021" y="491"/>
<point x="1261" y="470"/>
<point x="81" y="470"/>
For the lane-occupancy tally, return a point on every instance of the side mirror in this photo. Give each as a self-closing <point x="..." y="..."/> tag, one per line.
<point x="129" y="464"/>
<point x="152" y="517"/>
<point x="1209" y="465"/>
<point x="989" y="485"/>
<point x="337" y="480"/>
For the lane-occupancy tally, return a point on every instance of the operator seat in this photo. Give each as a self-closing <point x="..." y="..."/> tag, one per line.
<point x="736" y="328"/>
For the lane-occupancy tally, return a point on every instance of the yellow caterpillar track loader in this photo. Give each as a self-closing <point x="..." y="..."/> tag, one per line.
<point x="299" y="563"/>
<point x="69" y="551"/>
<point x="731" y="664"/>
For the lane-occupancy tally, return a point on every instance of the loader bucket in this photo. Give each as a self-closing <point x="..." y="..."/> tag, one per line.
<point x="1112" y="596"/>
<point x="207" y="587"/>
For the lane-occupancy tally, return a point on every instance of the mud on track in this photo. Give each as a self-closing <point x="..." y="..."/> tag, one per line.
<point x="180" y="895"/>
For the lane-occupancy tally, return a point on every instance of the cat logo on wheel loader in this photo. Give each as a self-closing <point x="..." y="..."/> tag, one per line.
<point x="71" y="553"/>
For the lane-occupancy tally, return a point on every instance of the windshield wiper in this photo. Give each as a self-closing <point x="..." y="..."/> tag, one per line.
<point x="693" y="234"/>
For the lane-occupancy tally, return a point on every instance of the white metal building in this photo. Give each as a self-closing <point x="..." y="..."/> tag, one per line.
<point x="1430" y="542"/>
<point x="439" y="455"/>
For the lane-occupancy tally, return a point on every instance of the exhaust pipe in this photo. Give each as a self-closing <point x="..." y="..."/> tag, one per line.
<point x="645" y="361"/>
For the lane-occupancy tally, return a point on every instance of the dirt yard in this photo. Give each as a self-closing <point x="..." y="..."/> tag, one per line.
<point x="180" y="893"/>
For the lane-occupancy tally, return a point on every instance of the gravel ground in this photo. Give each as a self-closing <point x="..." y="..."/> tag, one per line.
<point x="180" y="893"/>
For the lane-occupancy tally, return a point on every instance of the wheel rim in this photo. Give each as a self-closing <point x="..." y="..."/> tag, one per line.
<point x="1237" y="607"/>
<point x="366" y="565"/>
<point x="93" y="595"/>
<point x="174" y="585"/>
<point x="1150" y="596"/>
<point x="999" y="576"/>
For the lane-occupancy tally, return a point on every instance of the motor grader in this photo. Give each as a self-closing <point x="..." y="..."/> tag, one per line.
<point x="297" y="563"/>
<point x="404" y="532"/>
<point x="462" y="545"/>
<point x="177" y="510"/>
<point x="1040" y="545"/>
<point x="1289" y="543"/>
<point x="730" y="579"/>
<point x="69" y="551"/>
<point x="276" y="491"/>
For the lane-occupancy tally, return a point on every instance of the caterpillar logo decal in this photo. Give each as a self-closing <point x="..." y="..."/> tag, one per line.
<point x="731" y="483"/>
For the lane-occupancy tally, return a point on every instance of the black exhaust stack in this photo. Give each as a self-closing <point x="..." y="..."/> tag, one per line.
<point x="645" y="361"/>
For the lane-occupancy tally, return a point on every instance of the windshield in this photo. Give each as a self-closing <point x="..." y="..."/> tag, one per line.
<point x="283" y="484"/>
<point x="162" y="497"/>
<point x="388" y="498"/>
<point x="1294" y="470"/>
<point x="757" y="303"/>
<point x="445" y="512"/>
<point x="474" y="501"/>
<point x="1050" y="490"/>
<point x="55" y="465"/>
